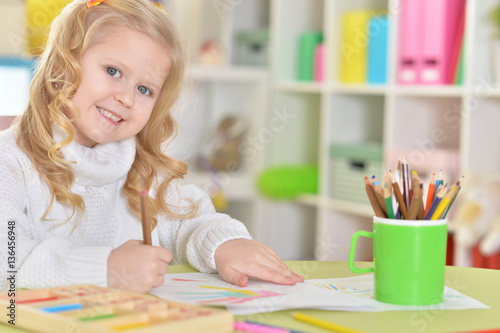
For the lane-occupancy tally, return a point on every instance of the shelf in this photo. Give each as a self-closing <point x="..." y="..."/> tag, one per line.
<point x="237" y="187"/>
<point x="361" y="89"/>
<point x="485" y="91"/>
<point x="365" y="89"/>
<point x="349" y="207"/>
<point x="300" y="87"/>
<point x="338" y="205"/>
<point x="309" y="200"/>
<point x="429" y="90"/>
<point x="241" y="74"/>
<point x="318" y="87"/>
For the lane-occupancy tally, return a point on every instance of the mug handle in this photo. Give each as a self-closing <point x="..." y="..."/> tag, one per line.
<point x="354" y="241"/>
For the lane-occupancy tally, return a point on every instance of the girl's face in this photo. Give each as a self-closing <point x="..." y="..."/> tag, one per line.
<point x="122" y="75"/>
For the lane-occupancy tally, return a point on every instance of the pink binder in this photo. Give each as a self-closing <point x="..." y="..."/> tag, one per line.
<point x="409" y="41"/>
<point x="440" y="26"/>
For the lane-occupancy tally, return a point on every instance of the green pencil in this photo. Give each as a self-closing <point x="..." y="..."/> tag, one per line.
<point x="388" y="201"/>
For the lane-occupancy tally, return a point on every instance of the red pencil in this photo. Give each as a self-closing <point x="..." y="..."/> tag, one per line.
<point x="430" y="193"/>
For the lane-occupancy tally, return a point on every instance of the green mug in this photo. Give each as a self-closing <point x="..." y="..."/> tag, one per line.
<point x="409" y="259"/>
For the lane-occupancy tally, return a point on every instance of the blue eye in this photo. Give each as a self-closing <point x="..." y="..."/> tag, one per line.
<point x="113" y="72"/>
<point x="143" y="90"/>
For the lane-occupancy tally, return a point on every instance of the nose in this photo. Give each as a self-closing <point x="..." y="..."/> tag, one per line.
<point x="125" y="95"/>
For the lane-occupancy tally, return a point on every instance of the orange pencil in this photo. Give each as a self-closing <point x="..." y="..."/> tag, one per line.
<point x="373" y="199"/>
<point x="430" y="193"/>
<point x="146" y="220"/>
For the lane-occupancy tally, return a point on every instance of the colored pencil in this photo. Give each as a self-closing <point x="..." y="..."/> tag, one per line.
<point x="388" y="201"/>
<point x="439" y="181"/>
<point x="379" y="192"/>
<point x="415" y="184"/>
<point x="415" y="204"/>
<point x="420" y="213"/>
<point x="399" y="197"/>
<point x="406" y="180"/>
<point x="387" y="180"/>
<point x="444" y="203"/>
<point x="373" y="199"/>
<point x="323" y="323"/>
<point x="441" y="191"/>
<point x="430" y="193"/>
<point x="453" y="200"/>
<point x="146" y="220"/>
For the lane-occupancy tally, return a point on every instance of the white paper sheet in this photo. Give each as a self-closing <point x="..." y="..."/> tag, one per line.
<point x="344" y="294"/>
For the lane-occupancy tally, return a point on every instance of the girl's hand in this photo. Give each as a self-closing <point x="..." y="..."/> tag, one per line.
<point x="239" y="259"/>
<point x="136" y="267"/>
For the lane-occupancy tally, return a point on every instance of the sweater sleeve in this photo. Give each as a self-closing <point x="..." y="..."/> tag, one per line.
<point x="38" y="263"/>
<point x="195" y="240"/>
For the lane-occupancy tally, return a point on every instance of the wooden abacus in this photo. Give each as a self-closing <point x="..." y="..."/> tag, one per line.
<point x="88" y="308"/>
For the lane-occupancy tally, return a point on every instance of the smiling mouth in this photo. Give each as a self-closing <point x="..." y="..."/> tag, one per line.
<point x="109" y="115"/>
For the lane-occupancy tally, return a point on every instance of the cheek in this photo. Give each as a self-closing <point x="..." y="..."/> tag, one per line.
<point x="143" y="117"/>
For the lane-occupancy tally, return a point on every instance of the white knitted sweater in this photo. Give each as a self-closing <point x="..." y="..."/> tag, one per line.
<point x="49" y="254"/>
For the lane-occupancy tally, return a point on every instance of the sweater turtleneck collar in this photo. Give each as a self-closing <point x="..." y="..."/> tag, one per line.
<point x="101" y="165"/>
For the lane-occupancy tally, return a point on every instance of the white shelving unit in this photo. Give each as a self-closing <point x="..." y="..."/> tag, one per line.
<point x="420" y="119"/>
<point x="425" y="119"/>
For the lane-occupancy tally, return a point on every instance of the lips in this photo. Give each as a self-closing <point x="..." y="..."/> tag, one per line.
<point x="109" y="115"/>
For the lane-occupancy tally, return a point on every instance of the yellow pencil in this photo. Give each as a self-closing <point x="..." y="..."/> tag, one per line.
<point x="444" y="203"/>
<point x="323" y="323"/>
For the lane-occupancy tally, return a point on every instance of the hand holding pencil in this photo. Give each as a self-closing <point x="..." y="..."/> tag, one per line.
<point x="136" y="265"/>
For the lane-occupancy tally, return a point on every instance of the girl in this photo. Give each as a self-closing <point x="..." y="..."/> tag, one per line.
<point x="90" y="140"/>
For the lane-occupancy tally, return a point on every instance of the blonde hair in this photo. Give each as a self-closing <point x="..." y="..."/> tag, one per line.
<point x="57" y="79"/>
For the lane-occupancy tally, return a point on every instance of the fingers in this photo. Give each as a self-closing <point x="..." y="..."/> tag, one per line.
<point x="280" y="276"/>
<point x="158" y="281"/>
<point x="163" y="254"/>
<point x="137" y="267"/>
<point x="233" y="276"/>
<point x="276" y="268"/>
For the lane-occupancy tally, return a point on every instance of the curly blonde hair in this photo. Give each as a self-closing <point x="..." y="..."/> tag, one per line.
<point x="57" y="79"/>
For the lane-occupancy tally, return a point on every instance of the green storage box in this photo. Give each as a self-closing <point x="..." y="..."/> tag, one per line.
<point x="252" y="47"/>
<point x="349" y="165"/>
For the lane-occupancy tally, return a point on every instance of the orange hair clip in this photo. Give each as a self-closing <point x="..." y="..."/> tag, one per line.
<point x="92" y="3"/>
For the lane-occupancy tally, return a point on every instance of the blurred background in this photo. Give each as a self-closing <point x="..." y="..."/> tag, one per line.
<point x="289" y="104"/>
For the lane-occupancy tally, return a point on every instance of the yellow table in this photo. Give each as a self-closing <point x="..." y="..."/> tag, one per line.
<point x="481" y="284"/>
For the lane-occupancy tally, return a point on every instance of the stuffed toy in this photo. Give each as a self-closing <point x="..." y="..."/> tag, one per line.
<point x="478" y="209"/>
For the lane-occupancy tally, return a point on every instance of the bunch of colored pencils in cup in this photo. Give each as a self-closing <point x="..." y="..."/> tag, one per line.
<point x="408" y="194"/>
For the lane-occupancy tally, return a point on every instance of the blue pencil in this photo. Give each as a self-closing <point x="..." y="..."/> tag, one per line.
<point x="437" y="199"/>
